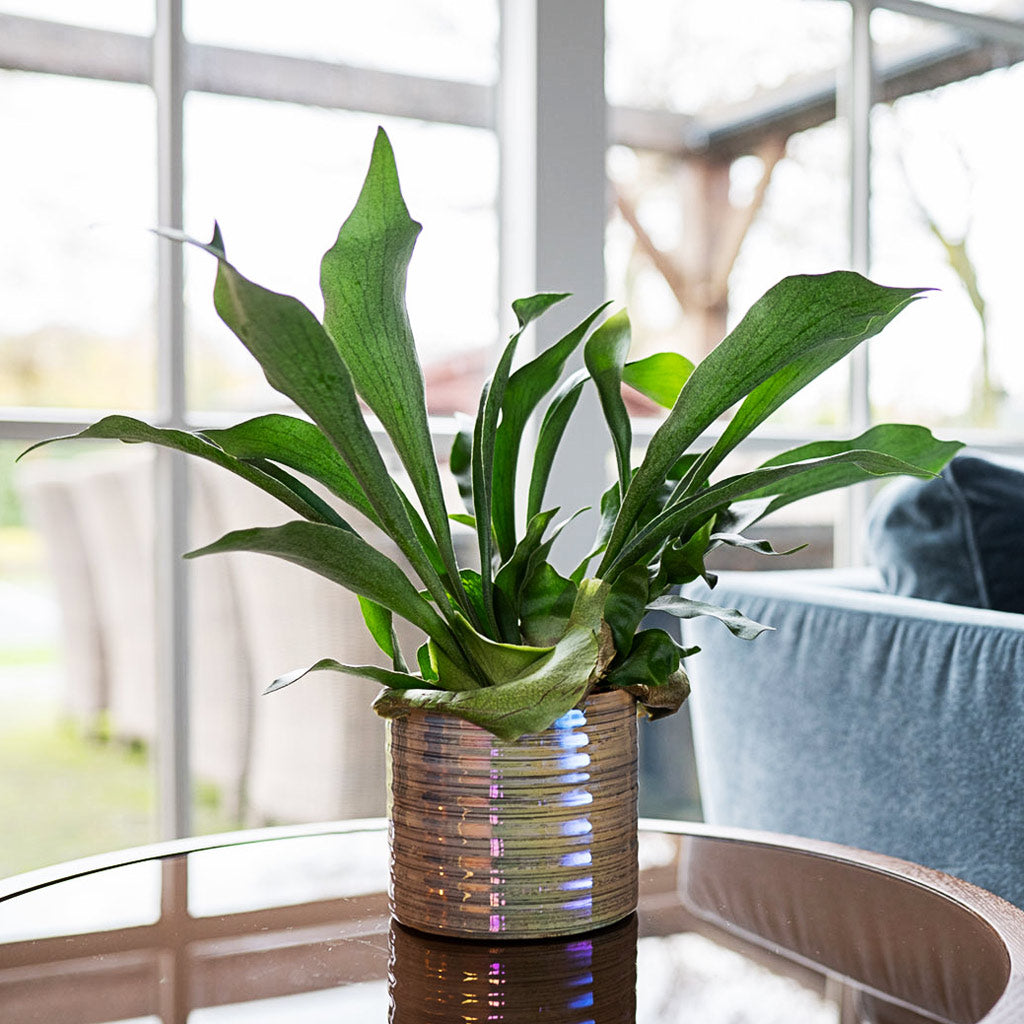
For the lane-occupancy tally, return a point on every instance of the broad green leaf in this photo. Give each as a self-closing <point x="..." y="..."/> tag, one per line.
<point x="460" y="459"/>
<point x="914" y="445"/>
<point x="556" y="419"/>
<point x="379" y="622"/>
<point x="507" y="617"/>
<point x="777" y="390"/>
<point x="526" y="387"/>
<point x="498" y="663"/>
<point x="792" y="319"/>
<point x="545" y="604"/>
<point x="363" y="279"/>
<point x="682" y="466"/>
<point x="605" y="356"/>
<point x="533" y="701"/>
<point x="133" y="431"/>
<point x="660" y="376"/>
<point x="427" y="669"/>
<point x="786" y="382"/>
<point x="626" y="605"/>
<point x="302" y="446"/>
<point x="388" y="677"/>
<point x="325" y="513"/>
<point x="533" y="306"/>
<point x="682" y="518"/>
<point x="531" y="552"/>
<point x="684" y="608"/>
<point x="510" y="576"/>
<point x="651" y="659"/>
<point x="683" y="563"/>
<point x="449" y="674"/>
<point x="609" y="510"/>
<point x="741" y="514"/>
<point x="657" y="700"/>
<point x="544" y="548"/>
<point x="473" y="586"/>
<point x="762" y="547"/>
<point x="674" y="488"/>
<point x="425" y="538"/>
<point x="346" y="559"/>
<point x="491" y="397"/>
<point x="299" y="445"/>
<point x="300" y="361"/>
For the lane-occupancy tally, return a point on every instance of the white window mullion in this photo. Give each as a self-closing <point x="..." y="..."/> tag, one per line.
<point x="171" y="494"/>
<point x="552" y="137"/>
<point x="859" y="96"/>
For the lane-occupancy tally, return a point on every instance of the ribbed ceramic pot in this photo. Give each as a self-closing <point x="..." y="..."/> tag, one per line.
<point x="531" y="839"/>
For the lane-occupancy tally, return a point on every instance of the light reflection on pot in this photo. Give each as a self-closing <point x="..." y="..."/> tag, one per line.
<point x="570" y="981"/>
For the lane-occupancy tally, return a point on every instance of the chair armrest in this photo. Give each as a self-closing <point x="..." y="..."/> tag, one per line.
<point x="848" y="589"/>
<point x="888" y="723"/>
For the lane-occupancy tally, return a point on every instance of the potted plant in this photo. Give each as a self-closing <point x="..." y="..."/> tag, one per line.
<point x="513" y="778"/>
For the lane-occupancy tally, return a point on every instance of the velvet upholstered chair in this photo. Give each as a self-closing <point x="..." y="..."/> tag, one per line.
<point x="886" y="708"/>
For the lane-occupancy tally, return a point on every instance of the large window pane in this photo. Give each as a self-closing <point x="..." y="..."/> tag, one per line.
<point x="316" y="751"/>
<point x="948" y="214"/>
<point x="757" y="201"/>
<point x="699" y="58"/>
<point x="803" y="228"/>
<point x="439" y="38"/>
<point x="74" y="764"/>
<point x="134" y="16"/>
<point x="78" y="720"/>
<point x="280" y="179"/>
<point x="77" y="267"/>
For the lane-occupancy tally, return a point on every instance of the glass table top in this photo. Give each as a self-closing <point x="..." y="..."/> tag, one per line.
<point x="285" y="926"/>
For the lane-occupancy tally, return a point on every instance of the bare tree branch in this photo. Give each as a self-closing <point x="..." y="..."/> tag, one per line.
<point x="739" y="221"/>
<point x="663" y="262"/>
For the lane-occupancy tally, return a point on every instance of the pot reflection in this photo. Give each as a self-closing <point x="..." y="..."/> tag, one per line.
<point x="565" y="981"/>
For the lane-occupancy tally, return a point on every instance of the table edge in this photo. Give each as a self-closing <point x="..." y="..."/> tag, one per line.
<point x="1004" y="918"/>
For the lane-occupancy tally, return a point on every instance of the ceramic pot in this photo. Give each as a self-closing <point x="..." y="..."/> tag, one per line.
<point x="531" y="839"/>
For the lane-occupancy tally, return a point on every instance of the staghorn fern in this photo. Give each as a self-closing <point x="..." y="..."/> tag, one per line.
<point x="515" y="645"/>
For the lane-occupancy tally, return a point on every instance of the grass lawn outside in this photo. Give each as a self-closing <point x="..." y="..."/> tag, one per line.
<point x="64" y="794"/>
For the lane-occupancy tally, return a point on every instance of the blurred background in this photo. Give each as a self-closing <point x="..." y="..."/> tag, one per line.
<point x="743" y="140"/>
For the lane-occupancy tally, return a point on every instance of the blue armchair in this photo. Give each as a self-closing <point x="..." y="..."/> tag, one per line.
<point x="889" y="723"/>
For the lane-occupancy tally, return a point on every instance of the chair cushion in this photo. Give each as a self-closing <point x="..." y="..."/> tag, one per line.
<point x="958" y="537"/>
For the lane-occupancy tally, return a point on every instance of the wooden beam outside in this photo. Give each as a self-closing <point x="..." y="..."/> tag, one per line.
<point x="804" y="103"/>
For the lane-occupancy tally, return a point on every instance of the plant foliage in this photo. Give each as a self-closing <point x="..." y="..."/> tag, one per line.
<point x="516" y="644"/>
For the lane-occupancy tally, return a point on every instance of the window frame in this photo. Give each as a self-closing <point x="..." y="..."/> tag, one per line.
<point x="531" y="246"/>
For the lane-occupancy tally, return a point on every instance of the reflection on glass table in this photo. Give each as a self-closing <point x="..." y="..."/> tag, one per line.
<point x="293" y="925"/>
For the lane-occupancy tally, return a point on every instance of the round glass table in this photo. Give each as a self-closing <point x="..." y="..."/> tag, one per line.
<point x="292" y="925"/>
